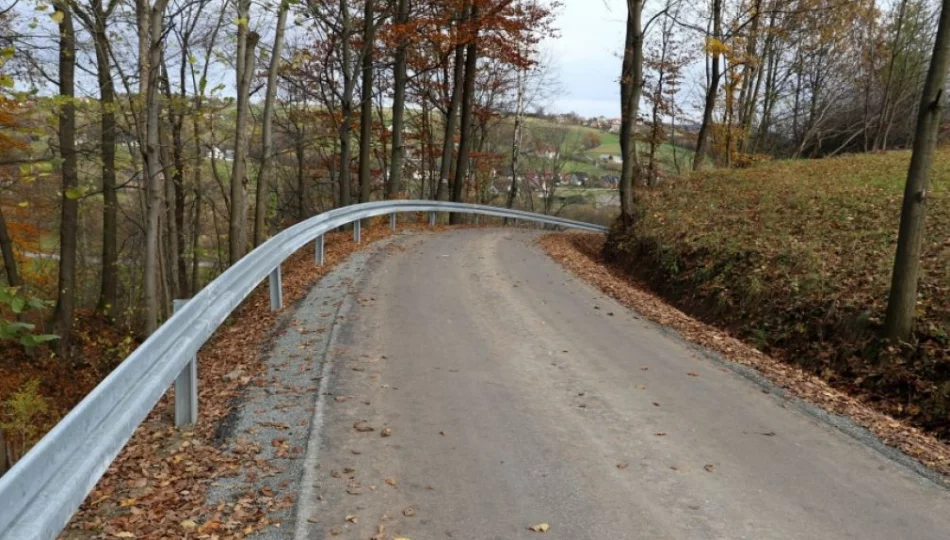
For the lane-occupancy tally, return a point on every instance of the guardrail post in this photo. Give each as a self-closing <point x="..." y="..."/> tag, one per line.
<point x="186" y="387"/>
<point x="276" y="290"/>
<point x="476" y="219"/>
<point x="432" y="219"/>
<point x="392" y="221"/>
<point x="356" y="231"/>
<point x="318" y="250"/>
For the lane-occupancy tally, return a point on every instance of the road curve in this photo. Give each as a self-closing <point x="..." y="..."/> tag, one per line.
<point x="517" y="395"/>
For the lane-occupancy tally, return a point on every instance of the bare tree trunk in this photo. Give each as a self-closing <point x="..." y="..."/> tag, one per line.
<point x="631" y="85"/>
<point x="95" y="22"/>
<point x="302" y="210"/>
<point x="267" y="158"/>
<point x="366" y="103"/>
<point x="247" y="42"/>
<point x="451" y="118"/>
<point x="394" y="186"/>
<point x="702" y="139"/>
<point x="155" y="177"/>
<point x="195" y="281"/>
<point x="516" y="139"/>
<point x="4" y="462"/>
<point x="465" y="129"/>
<point x="346" y="105"/>
<point x="173" y="167"/>
<point x="66" y="289"/>
<point x="902" y="303"/>
<point x="9" y="261"/>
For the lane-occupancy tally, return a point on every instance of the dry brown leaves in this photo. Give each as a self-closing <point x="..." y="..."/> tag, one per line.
<point x="579" y="253"/>
<point x="157" y="485"/>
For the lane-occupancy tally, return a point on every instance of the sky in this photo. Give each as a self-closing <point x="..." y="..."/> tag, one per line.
<point x="586" y="57"/>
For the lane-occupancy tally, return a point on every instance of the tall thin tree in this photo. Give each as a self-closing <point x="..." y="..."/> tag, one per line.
<point x="631" y="86"/>
<point x="267" y="134"/>
<point x="902" y="303"/>
<point x="394" y="185"/>
<point x="66" y="289"/>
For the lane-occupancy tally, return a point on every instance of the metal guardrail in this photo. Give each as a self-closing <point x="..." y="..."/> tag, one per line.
<point x="46" y="486"/>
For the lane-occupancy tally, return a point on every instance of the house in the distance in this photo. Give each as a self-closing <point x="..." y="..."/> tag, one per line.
<point x="610" y="181"/>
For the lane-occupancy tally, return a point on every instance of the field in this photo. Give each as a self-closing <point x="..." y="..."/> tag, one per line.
<point x="588" y="161"/>
<point x="795" y="257"/>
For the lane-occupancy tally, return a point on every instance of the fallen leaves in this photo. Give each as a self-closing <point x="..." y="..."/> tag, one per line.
<point x="539" y="528"/>
<point x="363" y="427"/>
<point x="409" y="512"/>
<point x="710" y="467"/>
<point x="623" y="465"/>
<point x="168" y="480"/>
<point x="386" y="432"/>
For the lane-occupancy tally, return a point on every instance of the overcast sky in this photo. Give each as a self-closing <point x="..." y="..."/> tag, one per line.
<point x="586" y="57"/>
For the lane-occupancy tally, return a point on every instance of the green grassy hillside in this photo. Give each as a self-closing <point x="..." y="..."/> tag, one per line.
<point x="796" y="256"/>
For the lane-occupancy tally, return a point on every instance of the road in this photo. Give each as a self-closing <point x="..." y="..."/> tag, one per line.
<point x="503" y="393"/>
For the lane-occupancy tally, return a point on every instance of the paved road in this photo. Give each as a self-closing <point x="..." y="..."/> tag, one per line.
<point x="517" y="395"/>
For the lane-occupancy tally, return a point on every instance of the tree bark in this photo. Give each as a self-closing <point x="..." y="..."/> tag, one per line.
<point x="346" y="105"/>
<point x="702" y="139"/>
<point x="247" y="42"/>
<point x="366" y="103"/>
<point x="631" y="86"/>
<point x="516" y="139"/>
<point x="155" y="177"/>
<point x="451" y="117"/>
<point x="96" y="22"/>
<point x="902" y="303"/>
<point x="465" y="129"/>
<point x="394" y="186"/>
<point x="267" y="158"/>
<point x="9" y="261"/>
<point x="66" y="288"/>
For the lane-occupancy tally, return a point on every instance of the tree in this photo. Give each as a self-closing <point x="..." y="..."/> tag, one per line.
<point x="267" y="136"/>
<point x="151" y="39"/>
<point x="715" y="49"/>
<point x="394" y="186"/>
<point x="902" y="302"/>
<point x="95" y="20"/>
<point x="66" y="289"/>
<point x="9" y="141"/>
<point x="590" y="140"/>
<point x="468" y="96"/>
<point x="631" y="86"/>
<point x="366" y="101"/>
<point x="246" y="57"/>
<point x="452" y="112"/>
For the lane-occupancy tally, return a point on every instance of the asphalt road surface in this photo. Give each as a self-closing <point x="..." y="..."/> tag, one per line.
<point x="503" y="393"/>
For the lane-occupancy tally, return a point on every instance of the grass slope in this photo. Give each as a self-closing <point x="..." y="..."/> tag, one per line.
<point x="795" y="257"/>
